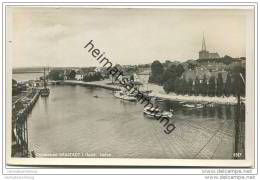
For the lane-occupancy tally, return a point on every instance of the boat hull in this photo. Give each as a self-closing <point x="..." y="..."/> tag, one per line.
<point x="45" y="92"/>
<point x="157" y="114"/>
<point x="125" y="97"/>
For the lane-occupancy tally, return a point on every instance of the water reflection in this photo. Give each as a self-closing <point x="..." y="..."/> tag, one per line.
<point x="212" y="111"/>
<point x="45" y="103"/>
<point x="219" y="112"/>
<point x="228" y="112"/>
<point x="205" y="112"/>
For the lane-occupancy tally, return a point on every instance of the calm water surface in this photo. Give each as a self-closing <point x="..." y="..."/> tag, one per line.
<point x="71" y="119"/>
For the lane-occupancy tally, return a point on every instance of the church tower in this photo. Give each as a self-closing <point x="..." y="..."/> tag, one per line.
<point x="203" y="54"/>
<point x="203" y="44"/>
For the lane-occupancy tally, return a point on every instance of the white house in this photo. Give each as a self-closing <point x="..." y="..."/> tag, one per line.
<point x="79" y="75"/>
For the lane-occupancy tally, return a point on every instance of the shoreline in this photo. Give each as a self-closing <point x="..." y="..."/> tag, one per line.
<point x="197" y="99"/>
<point x="157" y="91"/>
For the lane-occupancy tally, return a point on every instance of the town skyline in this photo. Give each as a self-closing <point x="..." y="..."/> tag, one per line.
<point x="127" y="36"/>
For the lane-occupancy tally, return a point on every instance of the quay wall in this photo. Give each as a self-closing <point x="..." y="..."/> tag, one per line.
<point x="90" y="84"/>
<point x="19" y="125"/>
<point x="30" y="105"/>
<point x="157" y="94"/>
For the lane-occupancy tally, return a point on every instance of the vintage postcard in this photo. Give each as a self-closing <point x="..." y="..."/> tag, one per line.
<point x="130" y="86"/>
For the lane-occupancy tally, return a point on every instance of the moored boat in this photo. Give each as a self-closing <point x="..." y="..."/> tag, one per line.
<point x="197" y="106"/>
<point x="45" y="91"/>
<point x="158" y="99"/>
<point x="124" y="96"/>
<point x="155" y="112"/>
<point x="189" y="105"/>
<point x="130" y="94"/>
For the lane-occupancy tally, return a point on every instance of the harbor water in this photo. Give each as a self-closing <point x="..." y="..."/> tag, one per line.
<point x="90" y="121"/>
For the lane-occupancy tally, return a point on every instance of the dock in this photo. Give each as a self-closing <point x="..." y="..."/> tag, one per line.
<point x="21" y="107"/>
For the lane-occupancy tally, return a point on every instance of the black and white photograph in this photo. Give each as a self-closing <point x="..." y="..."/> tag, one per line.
<point x="129" y="83"/>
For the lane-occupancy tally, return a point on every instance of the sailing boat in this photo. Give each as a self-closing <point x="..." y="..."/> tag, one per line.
<point x="45" y="91"/>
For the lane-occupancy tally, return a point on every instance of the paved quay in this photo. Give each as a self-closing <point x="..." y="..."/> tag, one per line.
<point x="157" y="91"/>
<point x="103" y="84"/>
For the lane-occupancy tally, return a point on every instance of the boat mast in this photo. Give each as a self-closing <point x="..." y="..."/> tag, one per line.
<point x="147" y="82"/>
<point x="44" y="80"/>
<point x="48" y="73"/>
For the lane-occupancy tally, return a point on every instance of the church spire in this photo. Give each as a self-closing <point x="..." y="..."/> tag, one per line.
<point x="203" y="44"/>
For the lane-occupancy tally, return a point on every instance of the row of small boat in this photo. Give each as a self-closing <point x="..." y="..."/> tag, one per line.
<point x="155" y="112"/>
<point x="197" y="106"/>
<point x="148" y="111"/>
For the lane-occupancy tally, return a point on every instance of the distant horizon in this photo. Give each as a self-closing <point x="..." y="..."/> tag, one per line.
<point x="42" y="66"/>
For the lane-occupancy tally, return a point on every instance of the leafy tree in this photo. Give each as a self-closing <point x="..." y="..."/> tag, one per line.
<point x="227" y="60"/>
<point x="197" y="86"/>
<point x="93" y="77"/>
<point x="184" y="87"/>
<point x="204" y="86"/>
<point x="157" y="71"/>
<point x="178" y="86"/>
<point x="212" y="86"/>
<point x="192" y="65"/>
<point x="157" y="68"/>
<point x="220" y="85"/>
<point x="171" y="76"/>
<point x="169" y="73"/>
<point x="72" y="74"/>
<point x="238" y="84"/>
<point x="15" y="89"/>
<point x="179" y="70"/>
<point x="228" y="86"/>
<point x="169" y="86"/>
<point x="56" y="75"/>
<point x="167" y="63"/>
<point x="190" y="86"/>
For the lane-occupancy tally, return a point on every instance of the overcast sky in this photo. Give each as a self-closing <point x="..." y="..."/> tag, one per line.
<point x="56" y="36"/>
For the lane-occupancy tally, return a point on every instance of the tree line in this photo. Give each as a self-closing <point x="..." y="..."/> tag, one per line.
<point x="173" y="80"/>
<point x="93" y="77"/>
<point x="59" y="75"/>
